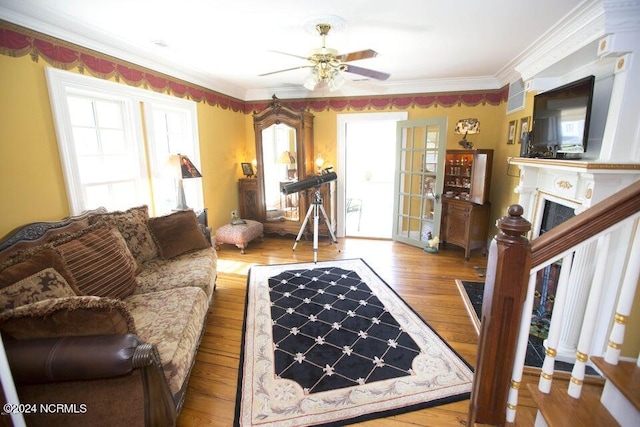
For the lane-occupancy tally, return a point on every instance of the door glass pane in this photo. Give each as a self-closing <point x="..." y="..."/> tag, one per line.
<point x="419" y="180"/>
<point x="419" y="138"/>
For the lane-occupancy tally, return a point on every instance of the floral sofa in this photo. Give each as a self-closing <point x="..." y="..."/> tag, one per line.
<point x="104" y="313"/>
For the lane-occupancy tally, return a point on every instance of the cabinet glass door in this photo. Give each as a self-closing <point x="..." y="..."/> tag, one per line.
<point x="421" y="146"/>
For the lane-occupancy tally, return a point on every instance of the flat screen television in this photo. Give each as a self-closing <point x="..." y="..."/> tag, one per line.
<point x="561" y="121"/>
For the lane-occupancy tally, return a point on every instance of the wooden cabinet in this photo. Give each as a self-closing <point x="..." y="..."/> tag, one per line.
<point x="465" y="224"/>
<point x="465" y="202"/>
<point x="249" y="198"/>
<point x="467" y="175"/>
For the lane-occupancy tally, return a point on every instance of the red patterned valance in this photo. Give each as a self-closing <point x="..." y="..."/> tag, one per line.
<point x="470" y="99"/>
<point x="17" y="41"/>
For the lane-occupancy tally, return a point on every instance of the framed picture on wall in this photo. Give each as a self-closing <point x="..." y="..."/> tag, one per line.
<point x="525" y="123"/>
<point x="247" y="169"/>
<point x="511" y="134"/>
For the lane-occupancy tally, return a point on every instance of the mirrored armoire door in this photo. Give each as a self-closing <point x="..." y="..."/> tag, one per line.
<point x="421" y="148"/>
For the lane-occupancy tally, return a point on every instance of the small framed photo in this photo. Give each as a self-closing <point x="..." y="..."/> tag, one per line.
<point x="511" y="134"/>
<point x="247" y="169"/>
<point x="525" y="125"/>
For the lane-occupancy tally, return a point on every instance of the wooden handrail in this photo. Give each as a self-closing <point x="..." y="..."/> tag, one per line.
<point x="592" y="221"/>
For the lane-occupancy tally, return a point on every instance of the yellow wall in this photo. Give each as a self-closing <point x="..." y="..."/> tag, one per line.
<point x="32" y="185"/>
<point x="31" y="180"/>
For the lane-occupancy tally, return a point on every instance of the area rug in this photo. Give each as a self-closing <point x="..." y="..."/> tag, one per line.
<point x="330" y="343"/>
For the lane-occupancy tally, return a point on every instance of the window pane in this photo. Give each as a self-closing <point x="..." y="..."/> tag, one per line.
<point x="96" y="196"/>
<point x="113" y="141"/>
<point x="117" y="168"/>
<point x="124" y="195"/>
<point x="81" y="112"/>
<point x="91" y="170"/>
<point x="86" y="141"/>
<point x="109" y="114"/>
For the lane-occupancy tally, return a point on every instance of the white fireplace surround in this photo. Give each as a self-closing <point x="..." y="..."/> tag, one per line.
<point x="579" y="185"/>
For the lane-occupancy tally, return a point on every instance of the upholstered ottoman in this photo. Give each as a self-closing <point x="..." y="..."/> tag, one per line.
<point x="239" y="234"/>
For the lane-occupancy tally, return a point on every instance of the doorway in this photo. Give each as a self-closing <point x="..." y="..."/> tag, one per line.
<point x="366" y="157"/>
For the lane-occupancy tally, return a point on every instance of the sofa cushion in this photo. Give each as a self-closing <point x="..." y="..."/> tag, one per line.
<point x="99" y="263"/>
<point x="173" y="321"/>
<point x="28" y="262"/>
<point x="71" y="316"/>
<point x="45" y="284"/>
<point x="177" y="233"/>
<point x="132" y="223"/>
<point x="197" y="269"/>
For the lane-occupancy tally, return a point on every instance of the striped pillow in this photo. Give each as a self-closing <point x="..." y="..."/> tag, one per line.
<point x="98" y="264"/>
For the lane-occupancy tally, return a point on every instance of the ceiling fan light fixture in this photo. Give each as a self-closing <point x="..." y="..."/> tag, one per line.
<point x="312" y="80"/>
<point x="336" y="81"/>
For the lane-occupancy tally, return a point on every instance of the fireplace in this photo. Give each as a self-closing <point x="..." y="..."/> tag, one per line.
<point x="554" y="213"/>
<point x="551" y="192"/>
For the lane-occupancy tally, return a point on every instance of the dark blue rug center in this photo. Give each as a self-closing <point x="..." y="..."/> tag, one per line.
<point x="331" y="331"/>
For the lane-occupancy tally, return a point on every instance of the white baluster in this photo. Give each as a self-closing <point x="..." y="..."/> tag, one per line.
<point x="582" y="271"/>
<point x="590" y="315"/>
<point x="521" y="350"/>
<point x="546" y="376"/>
<point x="9" y="387"/>
<point x="625" y="301"/>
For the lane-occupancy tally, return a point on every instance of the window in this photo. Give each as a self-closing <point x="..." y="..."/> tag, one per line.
<point x="115" y="140"/>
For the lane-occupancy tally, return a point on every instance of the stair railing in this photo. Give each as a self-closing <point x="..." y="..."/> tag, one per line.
<point x="509" y="296"/>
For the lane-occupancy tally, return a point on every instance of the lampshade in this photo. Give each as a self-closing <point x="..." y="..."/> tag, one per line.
<point x="287" y="158"/>
<point x="187" y="168"/>
<point x="181" y="167"/>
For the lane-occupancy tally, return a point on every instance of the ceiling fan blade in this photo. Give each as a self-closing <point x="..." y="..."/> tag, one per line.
<point x="288" y="54"/>
<point x="282" y="71"/>
<point x="354" y="56"/>
<point x="378" y="75"/>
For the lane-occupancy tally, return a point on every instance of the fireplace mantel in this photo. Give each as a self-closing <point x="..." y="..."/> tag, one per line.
<point x="579" y="184"/>
<point x="576" y="183"/>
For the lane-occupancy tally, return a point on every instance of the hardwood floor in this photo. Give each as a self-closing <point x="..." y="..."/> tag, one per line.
<point x="425" y="281"/>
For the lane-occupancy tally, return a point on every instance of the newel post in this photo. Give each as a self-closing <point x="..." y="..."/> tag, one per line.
<point x="505" y="289"/>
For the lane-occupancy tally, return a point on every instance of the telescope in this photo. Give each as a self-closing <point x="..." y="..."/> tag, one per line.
<point x="314" y="181"/>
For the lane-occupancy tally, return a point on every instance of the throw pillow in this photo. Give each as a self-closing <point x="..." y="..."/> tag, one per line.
<point x="132" y="224"/>
<point x="43" y="285"/>
<point x="74" y="316"/>
<point x="31" y="261"/>
<point x="99" y="264"/>
<point x="177" y="233"/>
<point x="135" y="265"/>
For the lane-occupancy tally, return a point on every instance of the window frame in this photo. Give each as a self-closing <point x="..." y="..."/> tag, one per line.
<point x="138" y="105"/>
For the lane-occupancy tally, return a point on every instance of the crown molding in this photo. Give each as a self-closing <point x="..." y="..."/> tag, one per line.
<point x="580" y="29"/>
<point x="60" y="26"/>
<point x="581" y="26"/>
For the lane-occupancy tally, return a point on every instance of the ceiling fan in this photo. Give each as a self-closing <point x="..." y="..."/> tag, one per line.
<point x="327" y="65"/>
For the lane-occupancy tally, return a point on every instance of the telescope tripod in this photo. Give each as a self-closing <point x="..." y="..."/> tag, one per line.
<point x="315" y="208"/>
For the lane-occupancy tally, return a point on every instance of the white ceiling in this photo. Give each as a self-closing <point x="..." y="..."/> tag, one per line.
<point x="426" y="45"/>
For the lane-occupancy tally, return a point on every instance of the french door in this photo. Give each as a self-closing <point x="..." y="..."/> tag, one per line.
<point x="421" y="146"/>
